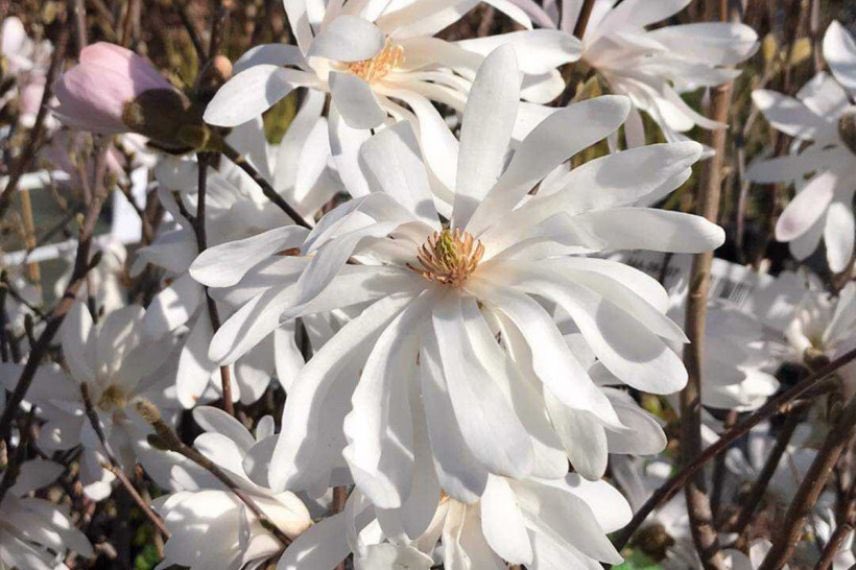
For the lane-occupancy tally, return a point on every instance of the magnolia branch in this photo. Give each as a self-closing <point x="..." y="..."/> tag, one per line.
<point x="82" y="266"/>
<point x="167" y="439"/>
<point x="777" y="404"/>
<point x="114" y="467"/>
<point x="707" y="205"/>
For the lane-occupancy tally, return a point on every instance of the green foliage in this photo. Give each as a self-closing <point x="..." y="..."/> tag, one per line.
<point x="637" y="560"/>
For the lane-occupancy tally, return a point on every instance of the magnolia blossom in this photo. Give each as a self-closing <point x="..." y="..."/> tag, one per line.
<point x="380" y="60"/>
<point x="747" y="461"/>
<point x="236" y="208"/>
<point x="825" y="526"/>
<point x="461" y="366"/>
<point x="652" y="67"/>
<point x="808" y="325"/>
<point x="210" y="526"/>
<point x="26" y="61"/>
<point x="737" y="366"/>
<point x="95" y="94"/>
<point x="821" y="164"/>
<point x="544" y="524"/>
<point x="117" y="369"/>
<point x="34" y="533"/>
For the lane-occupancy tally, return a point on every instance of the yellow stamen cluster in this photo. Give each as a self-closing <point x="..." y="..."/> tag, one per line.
<point x="449" y="257"/>
<point x="111" y="399"/>
<point x="390" y="57"/>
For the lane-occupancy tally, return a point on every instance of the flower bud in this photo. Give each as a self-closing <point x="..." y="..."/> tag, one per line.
<point x="93" y="94"/>
<point x="212" y="77"/>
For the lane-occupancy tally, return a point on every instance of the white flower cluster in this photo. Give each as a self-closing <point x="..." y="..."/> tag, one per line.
<point x="420" y="299"/>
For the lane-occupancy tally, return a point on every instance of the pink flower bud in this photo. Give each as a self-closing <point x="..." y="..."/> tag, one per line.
<point x="93" y="94"/>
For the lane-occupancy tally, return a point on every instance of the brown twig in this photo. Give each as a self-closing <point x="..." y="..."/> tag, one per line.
<point x="749" y="504"/>
<point x="113" y="465"/>
<point x="583" y="19"/>
<point x="191" y="30"/>
<point x="707" y="205"/>
<point x="267" y="189"/>
<point x="774" y="405"/>
<point x="810" y="489"/>
<point x="82" y="266"/>
<point x="198" y="222"/>
<point x="844" y="528"/>
<point x="167" y="439"/>
<point x="34" y="140"/>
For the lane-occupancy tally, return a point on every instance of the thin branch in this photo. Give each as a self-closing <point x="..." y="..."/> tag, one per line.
<point x="583" y="20"/>
<point x="267" y="189"/>
<point x="842" y="531"/>
<point x="34" y="140"/>
<point x="113" y="465"/>
<point x="774" y="405"/>
<point x="810" y="489"/>
<point x="202" y="244"/>
<point x="184" y="15"/>
<point x="708" y="194"/>
<point x="167" y="439"/>
<point x="759" y="486"/>
<point x="82" y="266"/>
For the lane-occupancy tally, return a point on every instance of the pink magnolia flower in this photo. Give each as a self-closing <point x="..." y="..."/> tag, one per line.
<point x="93" y="94"/>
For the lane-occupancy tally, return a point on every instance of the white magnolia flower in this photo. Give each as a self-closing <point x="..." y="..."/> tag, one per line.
<point x="824" y="525"/>
<point x="210" y="526"/>
<point x="807" y="325"/>
<point x="236" y="208"/>
<point x="747" y="461"/>
<point x="383" y="59"/>
<point x="34" y="533"/>
<point x="665" y="535"/>
<point x="434" y="381"/>
<point x="737" y="366"/>
<point x="652" y="67"/>
<point x="544" y="524"/>
<point x="821" y="164"/>
<point x="118" y="369"/>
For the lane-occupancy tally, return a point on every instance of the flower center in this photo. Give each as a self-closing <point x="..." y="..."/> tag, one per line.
<point x="112" y="398"/>
<point x="390" y="57"/>
<point x="449" y="257"/>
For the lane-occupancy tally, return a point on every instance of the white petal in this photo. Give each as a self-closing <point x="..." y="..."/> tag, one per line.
<point x="394" y="164"/>
<point x="460" y="473"/>
<point x="355" y="101"/>
<point x="379" y="427"/>
<point x="838" y="234"/>
<point x="538" y="51"/>
<point x="269" y="54"/>
<point x="839" y="50"/>
<point x="807" y="206"/>
<point x="347" y="38"/>
<point x="503" y="524"/>
<point x="172" y="307"/>
<point x="486" y="130"/>
<point x="789" y="115"/>
<point x="194" y="366"/>
<point x="77" y="345"/>
<point x="214" y="420"/>
<point x="547" y="146"/>
<point x="252" y="92"/>
<point x="654" y="230"/>
<point x="553" y="362"/>
<point x="303" y="407"/>
<point x="490" y="427"/>
<point x="225" y="264"/>
<point x="583" y="437"/>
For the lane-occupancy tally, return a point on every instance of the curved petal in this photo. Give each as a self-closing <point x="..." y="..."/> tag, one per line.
<point x="807" y="206"/>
